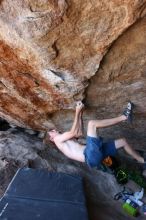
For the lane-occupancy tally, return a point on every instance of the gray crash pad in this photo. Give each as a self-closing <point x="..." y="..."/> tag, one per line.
<point x="39" y="194"/>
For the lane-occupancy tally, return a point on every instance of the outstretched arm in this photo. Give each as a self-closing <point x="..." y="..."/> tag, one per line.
<point x="77" y="124"/>
<point x="79" y="131"/>
<point x="76" y="127"/>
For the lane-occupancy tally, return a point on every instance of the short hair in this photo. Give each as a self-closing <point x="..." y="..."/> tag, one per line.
<point x="46" y="138"/>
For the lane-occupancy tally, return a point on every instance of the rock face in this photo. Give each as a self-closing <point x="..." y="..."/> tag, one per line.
<point x="50" y="49"/>
<point x="122" y="77"/>
<point x="19" y="146"/>
<point x="54" y="52"/>
<point x="17" y="149"/>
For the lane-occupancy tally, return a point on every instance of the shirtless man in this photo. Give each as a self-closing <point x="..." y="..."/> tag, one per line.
<point x="95" y="150"/>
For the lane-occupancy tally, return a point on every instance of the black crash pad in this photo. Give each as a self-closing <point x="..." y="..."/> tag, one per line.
<point x="39" y="194"/>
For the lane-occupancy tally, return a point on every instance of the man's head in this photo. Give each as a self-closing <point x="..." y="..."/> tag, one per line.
<point x="50" y="135"/>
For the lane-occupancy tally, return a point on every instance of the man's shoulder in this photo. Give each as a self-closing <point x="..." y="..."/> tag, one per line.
<point x="58" y="137"/>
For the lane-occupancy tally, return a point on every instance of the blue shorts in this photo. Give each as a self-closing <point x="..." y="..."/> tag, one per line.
<point x="97" y="150"/>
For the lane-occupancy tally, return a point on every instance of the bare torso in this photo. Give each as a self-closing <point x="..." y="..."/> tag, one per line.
<point x="72" y="149"/>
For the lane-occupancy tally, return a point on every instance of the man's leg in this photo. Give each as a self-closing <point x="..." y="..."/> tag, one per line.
<point x="94" y="124"/>
<point x="94" y="145"/>
<point x="123" y="143"/>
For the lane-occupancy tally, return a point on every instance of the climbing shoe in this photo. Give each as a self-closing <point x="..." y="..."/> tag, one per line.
<point x="128" y="111"/>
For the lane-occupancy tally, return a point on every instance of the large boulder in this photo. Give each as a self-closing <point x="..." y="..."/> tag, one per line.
<point x="50" y="49"/>
<point x="122" y="77"/>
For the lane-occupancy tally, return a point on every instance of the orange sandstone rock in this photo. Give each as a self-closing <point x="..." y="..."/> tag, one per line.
<point x="50" y="49"/>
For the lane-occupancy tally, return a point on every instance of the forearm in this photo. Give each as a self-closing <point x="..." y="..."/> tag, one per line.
<point x="79" y="131"/>
<point x="69" y="134"/>
<point x="76" y="127"/>
<point x="76" y="123"/>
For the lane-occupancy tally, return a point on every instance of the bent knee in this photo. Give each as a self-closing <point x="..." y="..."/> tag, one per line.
<point x="91" y="129"/>
<point x="91" y="124"/>
<point x="120" y="143"/>
<point x="123" y="140"/>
